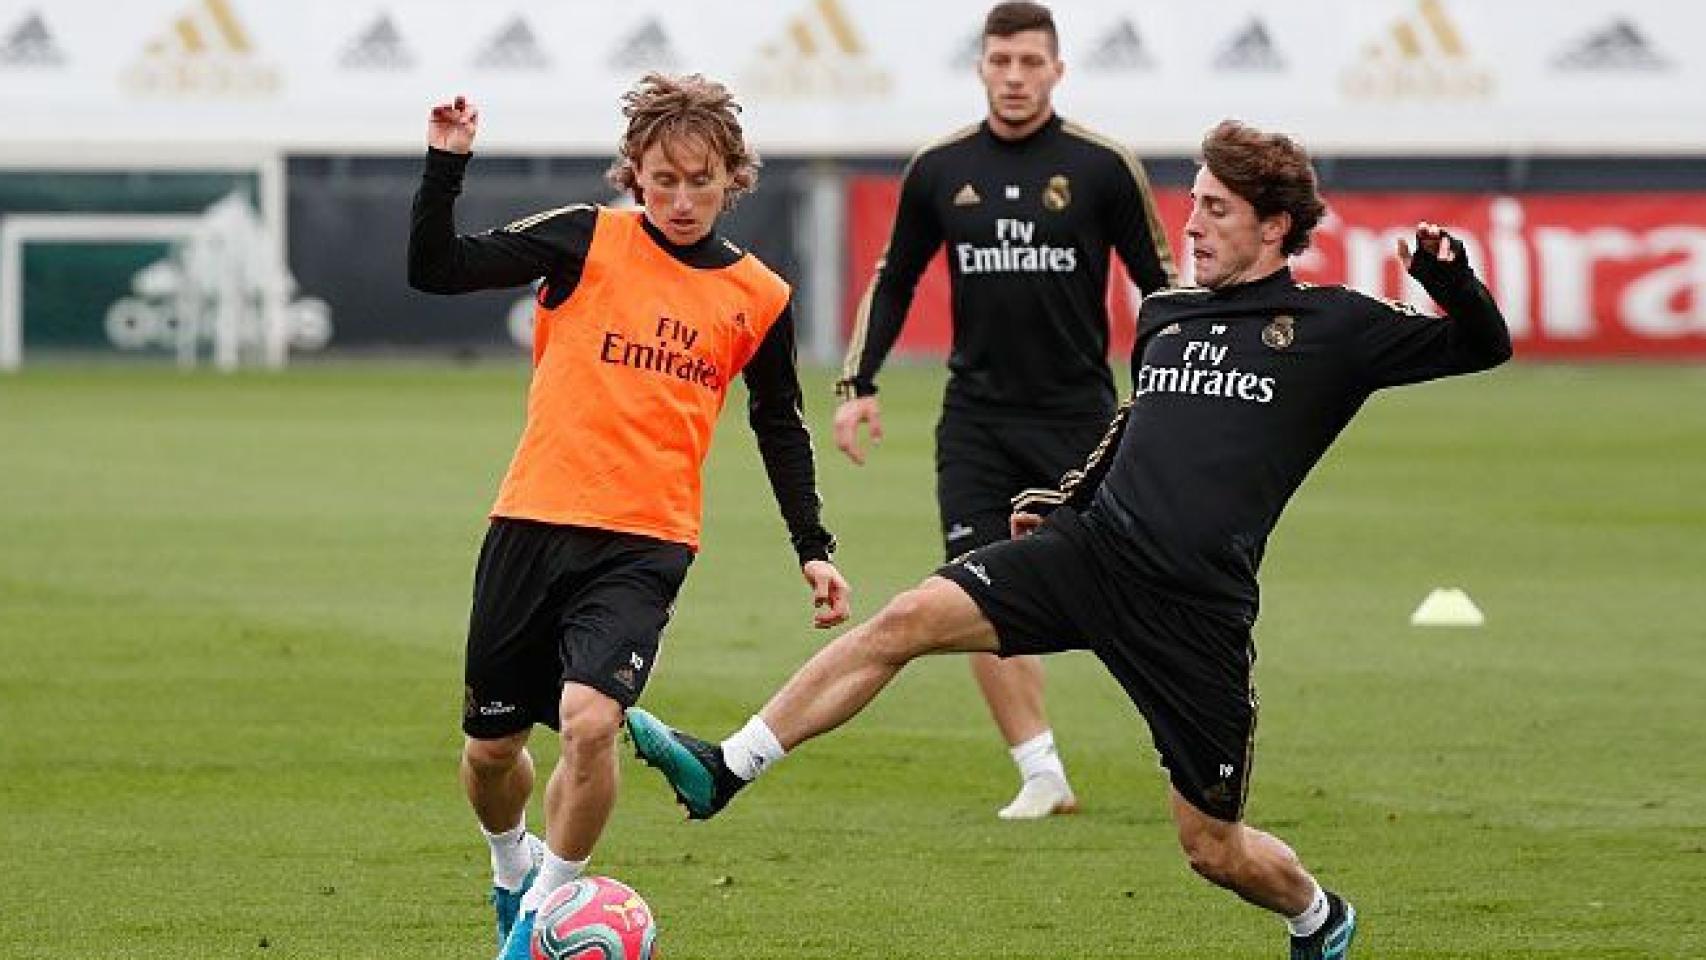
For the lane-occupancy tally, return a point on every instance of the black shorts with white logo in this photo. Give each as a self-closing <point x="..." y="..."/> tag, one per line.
<point x="558" y="604"/>
<point x="1188" y="670"/>
<point x="982" y="464"/>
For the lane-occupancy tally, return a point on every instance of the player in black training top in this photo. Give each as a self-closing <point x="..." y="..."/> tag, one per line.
<point x="1027" y="206"/>
<point x="1148" y="558"/>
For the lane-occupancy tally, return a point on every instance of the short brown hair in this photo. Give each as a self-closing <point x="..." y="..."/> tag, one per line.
<point x="670" y="109"/>
<point x="1271" y="171"/>
<point x="1017" y="16"/>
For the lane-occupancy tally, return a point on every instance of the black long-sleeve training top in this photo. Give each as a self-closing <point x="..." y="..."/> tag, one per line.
<point x="1028" y="225"/>
<point x="1238" y="393"/>
<point x="553" y="248"/>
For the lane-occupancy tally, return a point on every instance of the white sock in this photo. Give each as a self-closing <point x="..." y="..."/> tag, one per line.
<point x="752" y="749"/>
<point x="512" y="856"/>
<point x="1038" y="756"/>
<point x="1310" y="920"/>
<point x="553" y="873"/>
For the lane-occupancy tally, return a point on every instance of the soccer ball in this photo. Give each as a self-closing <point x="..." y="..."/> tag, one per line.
<point x="594" y="918"/>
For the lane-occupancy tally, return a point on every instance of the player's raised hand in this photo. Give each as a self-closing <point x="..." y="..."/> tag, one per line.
<point x="451" y="126"/>
<point x="831" y="595"/>
<point x="1430" y="237"/>
<point x="853" y="412"/>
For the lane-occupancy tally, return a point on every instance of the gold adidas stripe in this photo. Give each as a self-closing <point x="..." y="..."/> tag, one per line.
<point x="1157" y="230"/>
<point x="1070" y="482"/>
<point x="1175" y="291"/>
<point x="189" y="35"/>
<point x="1444" y="31"/>
<point x="840" y="27"/>
<point x="534" y="220"/>
<point x="226" y="21"/>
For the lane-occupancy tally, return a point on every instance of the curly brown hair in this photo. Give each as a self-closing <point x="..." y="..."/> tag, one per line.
<point x="675" y="110"/>
<point x="1271" y="171"/>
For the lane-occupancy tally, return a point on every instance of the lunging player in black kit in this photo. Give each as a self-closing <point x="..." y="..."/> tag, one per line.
<point x="1028" y="206"/>
<point x="1148" y="557"/>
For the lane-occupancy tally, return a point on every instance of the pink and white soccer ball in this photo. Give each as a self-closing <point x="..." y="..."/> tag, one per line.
<point x="594" y="918"/>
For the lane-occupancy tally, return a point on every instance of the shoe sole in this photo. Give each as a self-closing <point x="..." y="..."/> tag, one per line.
<point x="660" y="751"/>
<point x="1061" y="808"/>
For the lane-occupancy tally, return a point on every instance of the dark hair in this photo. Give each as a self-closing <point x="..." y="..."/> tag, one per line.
<point x="666" y="109"/>
<point x="1017" y="16"/>
<point x="1271" y="171"/>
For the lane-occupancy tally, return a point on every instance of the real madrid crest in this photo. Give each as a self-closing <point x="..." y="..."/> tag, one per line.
<point x="1280" y="333"/>
<point x="1057" y="193"/>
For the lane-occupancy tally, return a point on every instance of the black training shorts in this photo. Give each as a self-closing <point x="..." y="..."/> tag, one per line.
<point x="1187" y="669"/>
<point x="556" y="604"/>
<point x="982" y="464"/>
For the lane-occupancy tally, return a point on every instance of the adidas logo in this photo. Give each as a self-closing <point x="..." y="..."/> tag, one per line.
<point x="1619" y="45"/>
<point x="513" y="48"/>
<point x="1419" y="57"/>
<point x="1251" y="51"/>
<point x="819" y="56"/>
<point x="379" y="47"/>
<point x="1118" y="50"/>
<point x="30" y="45"/>
<point x="968" y="54"/>
<point x="967" y="197"/>
<point x="647" y="48"/>
<point x="205" y="50"/>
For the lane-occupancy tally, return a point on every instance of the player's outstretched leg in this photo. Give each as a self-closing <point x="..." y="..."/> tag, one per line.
<point x="831" y="688"/>
<point x="1333" y="940"/>
<point x="702" y="781"/>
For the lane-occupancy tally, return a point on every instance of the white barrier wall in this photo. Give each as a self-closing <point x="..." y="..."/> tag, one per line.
<point x="851" y="76"/>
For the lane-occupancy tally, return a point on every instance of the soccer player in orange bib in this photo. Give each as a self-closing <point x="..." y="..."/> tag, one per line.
<point x="643" y="318"/>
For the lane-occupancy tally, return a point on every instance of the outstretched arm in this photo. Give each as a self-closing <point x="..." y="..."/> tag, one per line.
<point x="1403" y="345"/>
<point x="440" y="261"/>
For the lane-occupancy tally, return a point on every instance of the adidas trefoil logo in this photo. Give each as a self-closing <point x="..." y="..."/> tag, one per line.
<point x="967" y="197"/>
<point x="30" y="45"/>
<point x="1618" y="46"/>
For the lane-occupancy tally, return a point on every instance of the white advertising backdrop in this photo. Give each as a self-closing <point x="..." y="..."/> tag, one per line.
<point x="856" y="76"/>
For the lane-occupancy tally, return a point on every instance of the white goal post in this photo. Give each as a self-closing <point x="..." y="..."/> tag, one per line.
<point x="232" y="249"/>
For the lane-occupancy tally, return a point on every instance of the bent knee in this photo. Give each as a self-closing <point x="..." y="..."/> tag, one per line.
<point x="589" y="719"/>
<point x="496" y="754"/>
<point x="902" y="629"/>
<point x="1213" y="859"/>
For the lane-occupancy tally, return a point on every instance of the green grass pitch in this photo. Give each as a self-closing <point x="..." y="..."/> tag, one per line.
<point x="231" y="615"/>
